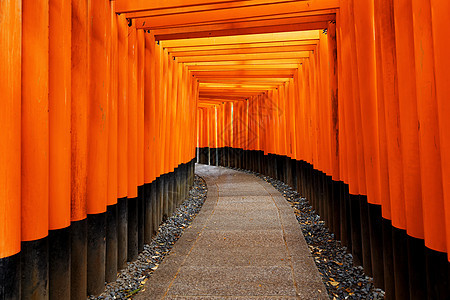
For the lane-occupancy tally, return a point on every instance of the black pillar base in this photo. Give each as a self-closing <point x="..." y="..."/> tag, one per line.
<point x="122" y="232"/>
<point x="166" y="197"/>
<point x="148" y="207"/>
<point x="155" y="207"/>
<point x="356" y="229"/>
<point x="417" y="269"/>
<point x="132" y="229"/>
<point x="376" y="244"/>
<point x="34" y="269"/>
<point x="400" y="255"/>
<point x="111" y="243"/>
<point x="336" y="208"/>
<point x="437" y="267"/>
<point x="10" y="277"/>
<point x="388" y="259"/>
<point x="141" y="217"/>
<point x="96" y="254"/>
<point x="78" y="268"/>
<point x="59" y="263"/>
<point x="365" y="235"/>
<point x="171" y="193"/>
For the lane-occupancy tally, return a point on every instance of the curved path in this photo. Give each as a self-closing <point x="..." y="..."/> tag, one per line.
<point x="244" y="244"/>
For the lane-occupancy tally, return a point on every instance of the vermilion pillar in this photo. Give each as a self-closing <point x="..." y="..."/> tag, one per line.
<point x="35" y="149"/>
<point x="410" y="145"/>
<point x="132" y="144"/>
<point x="112" y="75"/>
<point x="140" y="55"/>
<point x="441" y="43"/>
<point x="365" y="50"/>
<point x="122" y="142"/>
<point x="10" y="142"/>
<point x="428" y="127"/>
<point x="59" y="147"/>
<point x="434" y="217"/>
<point x="98" y="125"/>
<point x="79" y="129"/>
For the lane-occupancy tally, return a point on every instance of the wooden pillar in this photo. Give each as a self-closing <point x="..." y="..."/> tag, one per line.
<point x="122" y="142"/>
<point x="10" y="142"/>
<point x="79" y="139"/>
<point x="60" y="24"/>
<point x="35" y="149"/>
<point x="132" y="144"/>
<point x="97" y="165"/>
<point x="434" y="218"/>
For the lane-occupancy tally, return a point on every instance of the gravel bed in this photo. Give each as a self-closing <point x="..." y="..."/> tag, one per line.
<point x="342" y="279"/>
<point x="131" y="279"/>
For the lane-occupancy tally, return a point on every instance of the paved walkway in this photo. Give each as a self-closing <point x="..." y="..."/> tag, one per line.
<point x="244" y="244"/>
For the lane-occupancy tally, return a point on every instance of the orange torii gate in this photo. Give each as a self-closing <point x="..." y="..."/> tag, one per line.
<point x="105" y="102"/>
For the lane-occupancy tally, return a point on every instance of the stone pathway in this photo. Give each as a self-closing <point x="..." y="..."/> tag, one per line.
<point x="244" y="244"/>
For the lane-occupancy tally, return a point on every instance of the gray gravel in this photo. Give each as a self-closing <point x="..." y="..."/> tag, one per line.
<point x="131" y="279"/>
<point x="342" y="279"/>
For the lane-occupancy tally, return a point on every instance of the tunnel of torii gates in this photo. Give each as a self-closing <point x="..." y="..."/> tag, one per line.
<point x="106" y="104"/>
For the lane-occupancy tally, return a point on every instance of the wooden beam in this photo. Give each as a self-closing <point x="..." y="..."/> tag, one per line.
<point x="222" y="97"/>
<point x="244" y="39"/>
<point x="235" y="85"/>
<point x="248" y="62"/>
<point x="273" y="9"/>
<point x="246" y="50"/>
<point x="156" y="6"/>
<point x="245" y="31"/>
<point x="241" y="57"/>
<point x="153" y="13"/>
<point x="275" y="81"/>
<point x="232" y="91"/>
<point x="199" y="49"/>
<point x="245" y="73"/>
<point x="242" y="67"/>
<point x="214" y="100"/>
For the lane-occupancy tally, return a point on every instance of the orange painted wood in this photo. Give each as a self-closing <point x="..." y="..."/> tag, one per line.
<point x="334" y="101"/>
<point x="366" y="66"/>
<point x="149" y="110"/>
<point x="34" y="126"/>
<point x="140" y="105"/>
<point x="158" y="105"/>
<point x="10" y="122"/>
<point x="122" y="107"/>
<point x="140" y="5"/>
<point x="384" y="167"/>
<point x="244" y="27"/>
<point x="98" y="108"/>
<point x="351" y="170"/>
<point x="172" y="103"/>
<point x="251" y="56"/>
<point x="165" y="121"/>
<point x="244" y="47"/>
<point x="392" y="111"/>
<point x="289" y="26"/>
<point x="210" y="6"/>
<point x="408" y="117"/>
<point x="441" y="43"/>
<point x="428" y="127"/>
<point x="132" y="112"/>
<point x="235" y="13"/>
<point x="113" y="108"/>
<point x="59" y="105"/>
<point x="79" y="107"/>
<point x="298" y="36"/>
